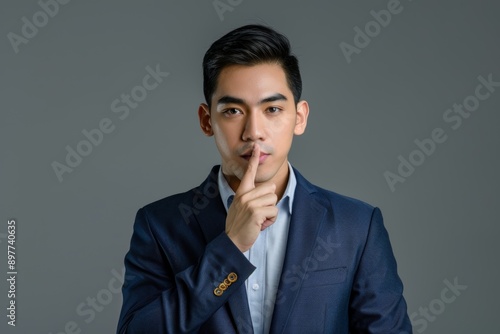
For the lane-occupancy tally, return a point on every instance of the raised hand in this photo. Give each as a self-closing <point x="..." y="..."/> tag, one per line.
<point x="253" y="208"/>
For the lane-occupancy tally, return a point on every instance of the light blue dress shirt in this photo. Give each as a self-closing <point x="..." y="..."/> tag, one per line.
<point x="266" y="254"/>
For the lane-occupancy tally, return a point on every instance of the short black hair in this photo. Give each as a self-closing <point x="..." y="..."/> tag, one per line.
<point x="250" y="45"/>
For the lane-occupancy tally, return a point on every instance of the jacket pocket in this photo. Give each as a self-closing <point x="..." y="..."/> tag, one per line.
<point x="325" y="277"/>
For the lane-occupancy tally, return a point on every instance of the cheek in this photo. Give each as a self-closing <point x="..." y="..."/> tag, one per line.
<point x="282" y="131"/>
<point x="225" y="139"/>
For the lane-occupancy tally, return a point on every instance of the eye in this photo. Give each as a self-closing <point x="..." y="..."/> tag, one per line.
<point x="231" y="111"/>
<point x="273" y="110"/>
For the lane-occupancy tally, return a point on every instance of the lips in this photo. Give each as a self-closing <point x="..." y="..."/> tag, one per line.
<point x="262" y="158"/>
<point x="248" y="154"/>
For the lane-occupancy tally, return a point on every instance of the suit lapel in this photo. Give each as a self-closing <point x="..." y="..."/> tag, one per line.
<point x="307" y="217"/>
<point x="211" y="217"/>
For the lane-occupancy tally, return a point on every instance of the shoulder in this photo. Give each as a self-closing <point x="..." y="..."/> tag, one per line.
<point x="193" y="198"/>
<point x="325" y="195"/>
<point x="169" y="204"/>
<point x="179" y="211"/>
<point x="340" y="205"/>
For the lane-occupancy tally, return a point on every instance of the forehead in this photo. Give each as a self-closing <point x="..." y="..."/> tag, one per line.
<point x="252" y="82"/>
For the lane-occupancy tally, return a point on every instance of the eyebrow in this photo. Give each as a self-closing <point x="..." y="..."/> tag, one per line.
<point x="231" y="99"/>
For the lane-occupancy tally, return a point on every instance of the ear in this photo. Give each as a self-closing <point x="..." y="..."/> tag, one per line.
<point x="205" y="122"/>
<point x="301" y="118"/>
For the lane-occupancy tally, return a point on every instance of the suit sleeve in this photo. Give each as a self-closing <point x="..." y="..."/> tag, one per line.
<point x="155" y="300"/>
<point x="377" y="305"/>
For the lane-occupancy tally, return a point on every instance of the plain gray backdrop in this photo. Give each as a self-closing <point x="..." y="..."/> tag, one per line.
<point x="72" y="235"/>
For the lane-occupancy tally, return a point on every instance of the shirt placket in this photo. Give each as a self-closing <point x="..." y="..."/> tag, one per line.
<point x="256" y="281"/>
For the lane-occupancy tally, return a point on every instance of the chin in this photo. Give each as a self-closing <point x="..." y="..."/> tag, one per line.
<point x="264" y="176"/>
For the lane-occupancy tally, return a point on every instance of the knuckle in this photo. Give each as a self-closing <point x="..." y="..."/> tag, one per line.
<point x="243" y="199"/>
<point x="252" y="208"/>
<point x="247" y="206"/>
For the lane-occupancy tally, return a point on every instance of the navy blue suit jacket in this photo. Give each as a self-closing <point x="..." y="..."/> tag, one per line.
<point x="339" y="273"/>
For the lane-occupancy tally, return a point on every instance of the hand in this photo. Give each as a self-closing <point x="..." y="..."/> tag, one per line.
<point x="253" y="208"/>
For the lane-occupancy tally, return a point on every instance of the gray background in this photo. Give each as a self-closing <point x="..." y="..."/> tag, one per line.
<point x="364" y="114"/>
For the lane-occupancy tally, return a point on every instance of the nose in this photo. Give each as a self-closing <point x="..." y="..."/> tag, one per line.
<point x="254" y="127"/>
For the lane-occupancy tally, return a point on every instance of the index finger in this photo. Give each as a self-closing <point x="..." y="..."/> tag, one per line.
<point x="248" y="180"/>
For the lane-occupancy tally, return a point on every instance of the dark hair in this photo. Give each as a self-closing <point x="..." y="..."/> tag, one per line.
<point x="250" y="45"/>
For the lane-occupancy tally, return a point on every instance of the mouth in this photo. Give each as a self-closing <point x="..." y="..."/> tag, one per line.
<point x="263" y="156"/>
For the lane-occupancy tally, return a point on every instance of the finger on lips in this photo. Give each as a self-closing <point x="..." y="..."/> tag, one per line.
<point x="248" y="179"/>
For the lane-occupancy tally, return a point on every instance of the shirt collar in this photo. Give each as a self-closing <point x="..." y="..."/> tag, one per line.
<point x="288" y="196"/>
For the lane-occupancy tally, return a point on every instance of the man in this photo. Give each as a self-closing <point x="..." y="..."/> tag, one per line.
<point x="256" y="248"/>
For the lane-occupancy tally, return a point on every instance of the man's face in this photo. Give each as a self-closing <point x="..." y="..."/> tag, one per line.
<point x="253" y="105"/>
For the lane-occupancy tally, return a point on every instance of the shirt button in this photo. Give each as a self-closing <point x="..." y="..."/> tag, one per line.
<point x="255" y="286"/>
